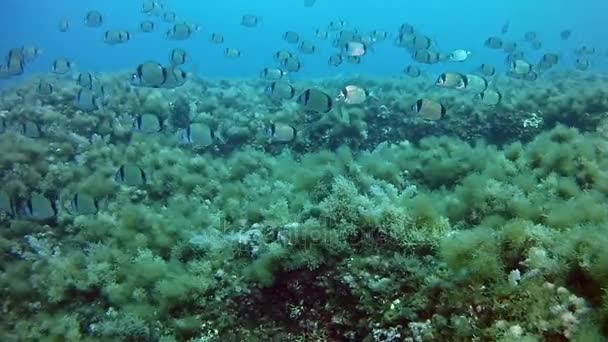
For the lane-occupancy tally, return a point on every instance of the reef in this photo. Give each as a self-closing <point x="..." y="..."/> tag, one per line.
<point x="374" y="225"/>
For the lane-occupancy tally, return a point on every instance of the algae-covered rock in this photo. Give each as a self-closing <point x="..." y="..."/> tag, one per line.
<point x="372" y="223"/>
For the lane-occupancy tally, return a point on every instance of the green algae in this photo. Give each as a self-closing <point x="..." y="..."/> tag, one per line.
<point x="351" y="233"/>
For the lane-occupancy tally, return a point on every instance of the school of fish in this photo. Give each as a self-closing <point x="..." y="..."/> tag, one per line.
<point x="350" y="44"/>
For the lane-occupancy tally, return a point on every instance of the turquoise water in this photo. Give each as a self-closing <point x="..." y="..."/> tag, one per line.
<point x="143" y="201"/>
<point x="453" y="25"/>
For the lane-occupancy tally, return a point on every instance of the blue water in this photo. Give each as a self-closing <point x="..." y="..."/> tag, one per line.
<point x="452" y="24"/>
<point x="344" y="224"/>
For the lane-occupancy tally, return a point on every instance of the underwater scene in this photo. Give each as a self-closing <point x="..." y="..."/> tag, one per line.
<point x="303" y="170"/>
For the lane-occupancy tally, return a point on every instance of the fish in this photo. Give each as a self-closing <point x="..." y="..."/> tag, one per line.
<point x="178" y="57"/>
<point x="505" y="27"/>
<point x="565" y="34"/>
<point x="520" y="67"/>
<point x="147" y="123"/>
<point x="83" y="204"/>
<point x="585" y="50"/>
<point x="16" y="54"/>
<point x="537" y="45"/>
<point x="353" y="59"/>
<point x="6" y="203"/>
<point x="379" y="35"/>
<point x="429" y="109"/>
<point x="405" y="41"/>
<point x="487" y="69"/>
<point x="406" y="28"/>
<point x="197" y="135"/>
<point x="321" y="34"/>
<point x="413" y="71"/>
<point x="512" y="57"/>
<point x="355" y="49"/>
<point x="169" y="17"/>
<point x="148" y="6"/>
<point x="146" y="26"/>
<point x="489" y="97"/>
<point x="291" y="37"/>
<point x="494" y="42"/>
<point x="450" y="80"/>
<point x="149" y="74"/>
<point x="542" y="66"/>
<point x="281" y="90"/>
<point x="352" y="95"/>
<point x="335" y="60"/>
<point x="336" y="25"/>
<point x="549" y="59"/>
<point x="113" y="37"/>
<point x="338" y="42"/>
<point x="97" y="88"/>
<point x="367" y="40"/>
<point x="307" y="47"/>
<point x="180" y="31"/>
<point x="232" y="53"/>
<point x="85" y="80"/>
<point x="38" y="208"/>
<point x="61" y="66"/>
<point x="44" y="88"/>
<point x="421" y="42"/>
<point x="345" y="36"/>
<point x="459" y="55"/>
<point x="309" y="3"/>
<point x="30" y="53"/>
<point x="130" y="175"/>
<point x="87" y="100"/>
<point x="272" y="74"/>
<point x="509" y="47"/>
<point x="531" y="76"/>
<point x="282" y="55"/>
<point x="291" y="64"/>
<point x="250" y="20"/>
<point x="93" y="19"/>
<point x="582" y="63"/>
<point x="15" y="64"/>
<point x="474" y="83"/>
<point x="64" y="25"/>
<point x="426" y="56"/>
<point x="530" y="36"/>
<point x="175" y="78"/>
<point x="314" y="100"/>
<point x="281" y="133"/>
<point x="217" y="38"/>
<point x="30" y="129"/>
